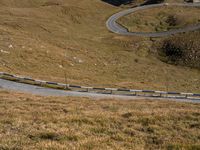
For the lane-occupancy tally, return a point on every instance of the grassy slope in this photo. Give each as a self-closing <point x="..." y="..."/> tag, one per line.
<point x="50" y="39"/>
<point x="33" y="122"/>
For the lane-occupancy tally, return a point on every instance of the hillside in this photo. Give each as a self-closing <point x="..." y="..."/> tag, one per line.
<point x="67" y="41"/>
<point x="34" y="122"/>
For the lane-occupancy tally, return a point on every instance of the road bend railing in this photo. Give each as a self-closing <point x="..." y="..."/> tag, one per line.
<point x="111" y="91"/>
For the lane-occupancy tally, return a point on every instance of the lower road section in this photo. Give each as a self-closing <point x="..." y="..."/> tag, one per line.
<point x="45" y="88"/>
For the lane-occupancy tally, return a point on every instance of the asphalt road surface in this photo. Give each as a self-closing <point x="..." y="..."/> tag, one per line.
<point x="113" y="26"/>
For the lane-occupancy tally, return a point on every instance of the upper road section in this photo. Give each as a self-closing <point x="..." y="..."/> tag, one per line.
<point x="113" y="26"/>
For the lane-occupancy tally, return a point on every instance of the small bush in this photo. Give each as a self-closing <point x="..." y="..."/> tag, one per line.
<point x="46" y="136"/>
<point x="181" y="49"/>
<point x="171" y="20"/>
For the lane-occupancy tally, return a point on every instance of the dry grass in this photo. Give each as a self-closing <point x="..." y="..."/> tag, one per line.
<point x="52" y="40"/>
<point x="34" y="122"/>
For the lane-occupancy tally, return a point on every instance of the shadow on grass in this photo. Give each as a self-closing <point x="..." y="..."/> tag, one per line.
<point x="149" y="2"/>
<point x="118" y="2"/>
<point x="125" y="2"/>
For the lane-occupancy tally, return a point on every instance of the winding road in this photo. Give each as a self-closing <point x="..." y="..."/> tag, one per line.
<point x="113" y="26"/>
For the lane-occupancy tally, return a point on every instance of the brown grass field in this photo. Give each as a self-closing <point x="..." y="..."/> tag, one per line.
<point x="67" y="41"/>
<point x="34" y="122"/>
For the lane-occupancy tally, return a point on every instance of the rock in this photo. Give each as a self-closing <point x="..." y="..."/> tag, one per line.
<point x="60" y="66"/>
<point x="80" y="61"/>
<point x="10" y="46"/>
<point x="6" y="52"/>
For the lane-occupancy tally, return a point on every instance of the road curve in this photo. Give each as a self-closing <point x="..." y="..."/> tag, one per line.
<point x="113" y="26"/>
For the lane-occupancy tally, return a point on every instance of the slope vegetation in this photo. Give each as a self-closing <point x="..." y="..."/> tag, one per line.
<point x="67" y="41"/>
<point x="33" y="122"/>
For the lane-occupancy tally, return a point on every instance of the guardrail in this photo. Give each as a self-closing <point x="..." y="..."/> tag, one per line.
<point x="113" y="91"/>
